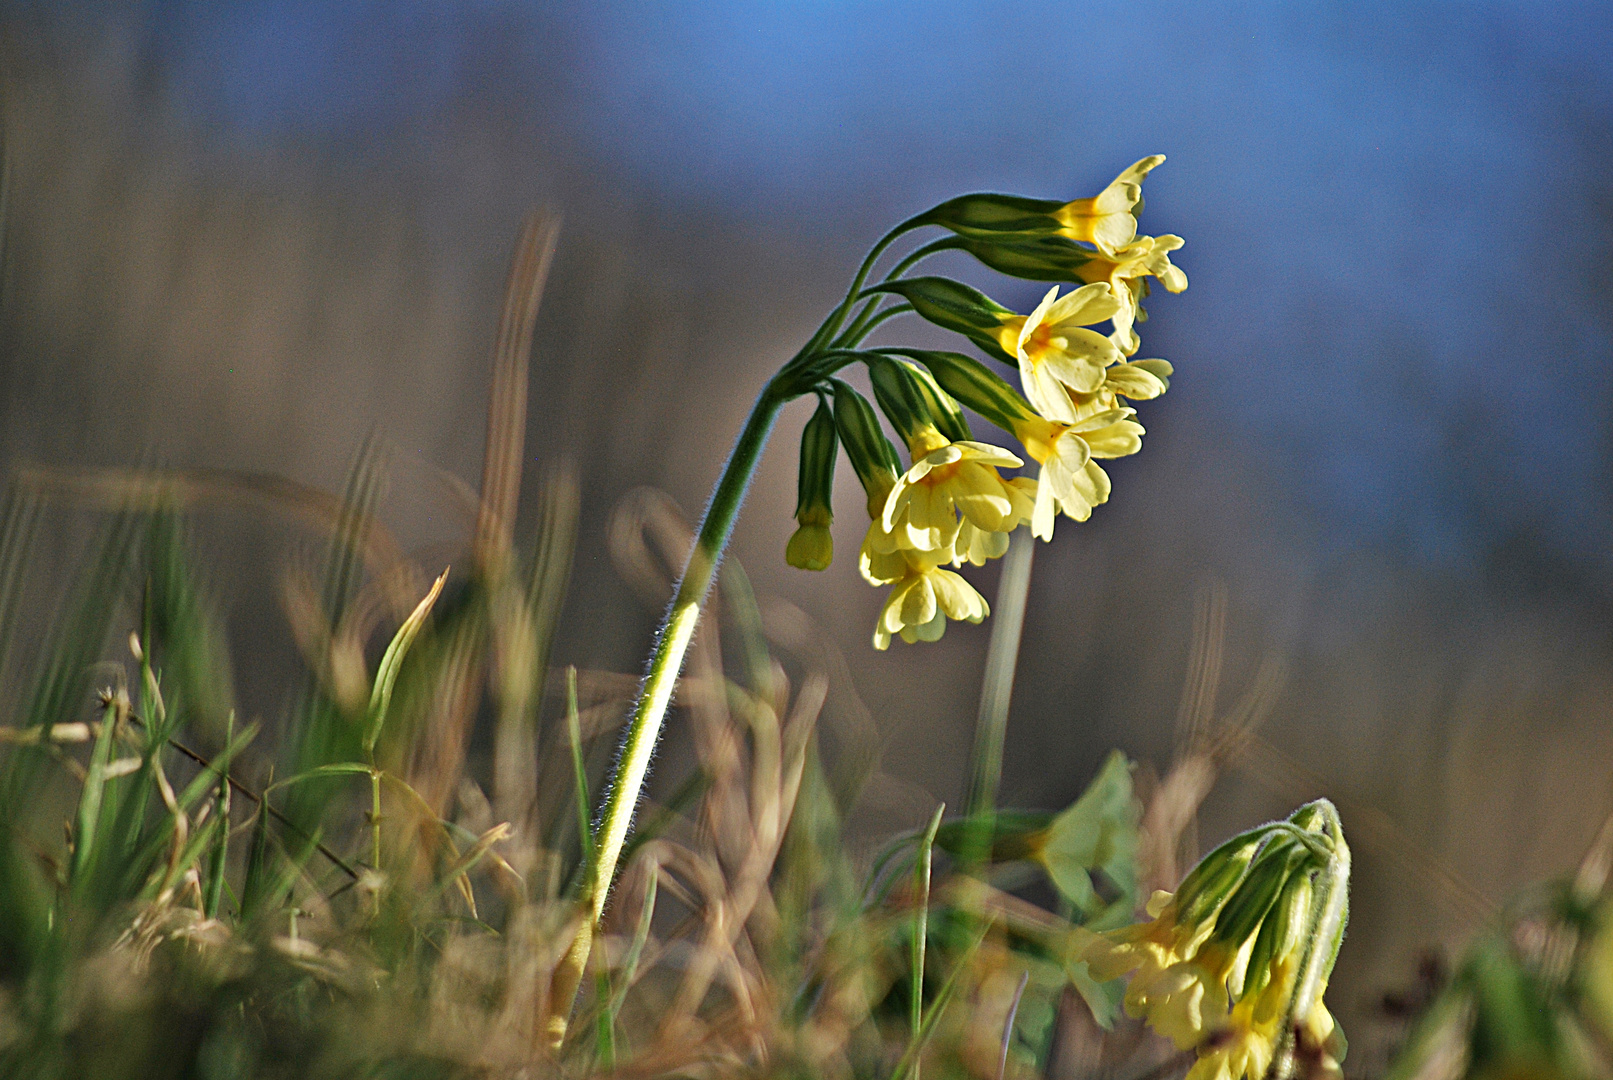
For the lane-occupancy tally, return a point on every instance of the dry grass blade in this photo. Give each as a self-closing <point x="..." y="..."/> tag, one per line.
<point x="507" y="397"/>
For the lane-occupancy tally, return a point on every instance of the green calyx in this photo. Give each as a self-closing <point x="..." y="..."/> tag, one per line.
<point x="1040" y="258"/>
<point x="812" y="546"/>
<point x="914" y="403"/>
<point x="986" y="214"/>
<point x="871" y="453"/>
<point x="973" y="385"/>
<point x="954" y="306"/>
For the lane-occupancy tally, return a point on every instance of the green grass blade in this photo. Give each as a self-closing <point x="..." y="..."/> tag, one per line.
<point x="386" y="676"/>
<point x="921" y="917"/>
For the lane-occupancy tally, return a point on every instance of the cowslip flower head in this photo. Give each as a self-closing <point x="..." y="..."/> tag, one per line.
<point x="949" y="479"/>
<point x="1236" y="963"/>
<point x="1108" y="220"/>
<point x="1126" y="270"/>
<point x="1055" y="350"/>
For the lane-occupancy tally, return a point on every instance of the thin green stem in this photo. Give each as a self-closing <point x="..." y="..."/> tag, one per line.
<point x="866" y="322"/>
<point x="991" y="726"/>
<point x="655" y="694"/>
<point x="860" y="326"/>
<point x="1330" y="910"/>
<point x="837" y="318"/>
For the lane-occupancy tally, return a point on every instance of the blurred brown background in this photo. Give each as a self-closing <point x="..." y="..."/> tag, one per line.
<point x="244" y="237"/>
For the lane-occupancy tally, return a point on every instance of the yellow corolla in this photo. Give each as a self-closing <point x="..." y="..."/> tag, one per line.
<point x="1071" y="482"/>
<point x="950" y="479"/>
<point x="1243" y="1046"/>
<point x="1109" y="219"/>
<point x="1056" y="351"/>
<point x="1146" y="948"/>
<point x="1126" y="271"/>
<point x="1187" y="999"/>
<point x="924" y="597"/>
<point x="977" y="546"/>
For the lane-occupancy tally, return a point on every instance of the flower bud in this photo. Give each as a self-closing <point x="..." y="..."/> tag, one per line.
<point x="871" y="453"/>
<point x="972" y="384"/>
<point x="812" y="546"/>
<point x="955" y="306"/>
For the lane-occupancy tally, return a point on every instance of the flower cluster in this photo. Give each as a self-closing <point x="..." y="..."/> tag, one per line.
<point x="1235" y="962"/>
<point x="954" y="503"/>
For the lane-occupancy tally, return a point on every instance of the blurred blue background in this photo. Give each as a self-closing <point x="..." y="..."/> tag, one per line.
<point x="243" y="234"/>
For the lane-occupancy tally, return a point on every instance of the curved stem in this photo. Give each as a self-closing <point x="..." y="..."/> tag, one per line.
<point x="644" y="727"/>
<point x="865" y="323"/>
<point x="837" y="318"/>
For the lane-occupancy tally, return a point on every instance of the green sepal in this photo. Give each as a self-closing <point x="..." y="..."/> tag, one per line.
<point x="1208" y="885"/>
<point x="820" y="450"/>
<point x="1243" y="913"/>
<point x="1279" y="933"/>
<point x="913" y="402"/>
<point x="871" y="453"/>
<point x="1045" y="258"/>
<point x="954" y="306"/>
<point x="973" y="384"/>
<point x="987" y="214"/>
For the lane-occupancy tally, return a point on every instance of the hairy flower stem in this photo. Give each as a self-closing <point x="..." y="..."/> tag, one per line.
<point x="649" y="712"/>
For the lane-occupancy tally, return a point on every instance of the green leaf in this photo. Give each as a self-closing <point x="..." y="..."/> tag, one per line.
<point x="392" y="661"/>
<point x="1097" y="833"/>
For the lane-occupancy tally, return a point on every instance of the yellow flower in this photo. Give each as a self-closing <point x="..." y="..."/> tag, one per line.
<point x="1243" y="1047"/>
<point x="1147" y="948"/>
<point x="924" y="597"/>
<point x="1109" y="219"/>
<point x="975" y="545"/>
<point x="1189" y="997"/>
<point x="812" y="545"/>
<point x="1071" y="482"/>
<point x="1055" y="350"/>
<point x="1139" y="380"/>
<point x="948" y="479"/>
<point x="1126" y="271"/>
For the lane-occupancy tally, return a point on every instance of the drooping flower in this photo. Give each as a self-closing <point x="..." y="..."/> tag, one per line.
<point x="923" y="596"/>
<point x="1108" y="219"/>
<point x="1126" y="270"/>
<point x="1056" y="351"/>
<point x="1070" y="481"/>
<point x="949" y="479"/>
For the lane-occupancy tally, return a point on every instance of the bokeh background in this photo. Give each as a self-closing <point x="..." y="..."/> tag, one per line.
<point x="245" y="235"/>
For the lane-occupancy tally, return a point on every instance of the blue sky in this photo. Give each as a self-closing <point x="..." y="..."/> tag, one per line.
<point x="1396" y="227"/>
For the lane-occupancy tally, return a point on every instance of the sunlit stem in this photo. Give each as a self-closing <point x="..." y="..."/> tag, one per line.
<point x="655" y="694"/>
<point x="375" y="819"/>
